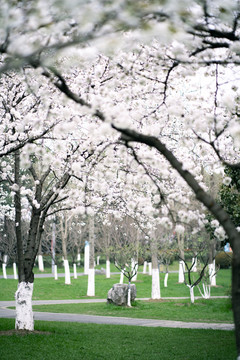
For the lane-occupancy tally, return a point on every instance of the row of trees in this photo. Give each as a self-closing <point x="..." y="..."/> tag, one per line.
<point x="120" y="108"/>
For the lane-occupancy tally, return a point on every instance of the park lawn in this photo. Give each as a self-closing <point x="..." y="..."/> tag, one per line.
<point x="50" y="289"/>
<point x="80" y="269"/>
<point x="94" y="342"/>
<point x="212" y="310"/>
<point x="60" y="268"/>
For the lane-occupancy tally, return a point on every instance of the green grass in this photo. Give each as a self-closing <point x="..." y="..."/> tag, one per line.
<point x="102" y="342"/>
<point x="48" y="269"/>
<point x="80" y="269"/>
<point x="216" y="310"/>
<point x="48" y="288"/>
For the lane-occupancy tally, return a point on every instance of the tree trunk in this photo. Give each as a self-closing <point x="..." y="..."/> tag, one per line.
<point x="23" y="295"/>
<point x="194" y="264"/>
<point x="86" y="258"/>
<point x="212" y="273"/>
<point x="181" y="272"/>
<point x="108" y="273"/>
<point x="150" y="268"/>
<point x="180" y="240"/>
<point x="55" y="272"/>
<point x="155" y="272"/>
<point x="53" y="245"/>
<point x="4" y="271"/>
<point x="15" y="271"/>
<point x="134" y="269"/>
<point x="64" y="244"/>
<point x="145" y="267"/>
<point x="166" y="279"/>
<point x="191" y="288"/>
<point x="40" y="263"/>
<point x="24" y="314"/>
<point x="75" y="271"/>
<point x="67" y="273"/>
<point x="122" y="276"/>
<point x="129" y="295"/>
<point x="18" y="217"/>
<point x="236" y="297"/>
<point x="91" y="273"/>
<point x="78" y="258"/>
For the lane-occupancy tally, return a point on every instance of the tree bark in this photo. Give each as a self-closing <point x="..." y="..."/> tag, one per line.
<point x="180" y="240"/>
<point x="129" y="294"/>
<point x="24" y="313"/>
<point x="108" y="273"/>
<point x="181" y="272"/>
<point x="91" y="274"/>
<point x="86" y="258"/>
<point x="155" y="272"/>
<point x="18" y="217"/>
<point x="15" y="271"/>
<point x="166" y="279"/>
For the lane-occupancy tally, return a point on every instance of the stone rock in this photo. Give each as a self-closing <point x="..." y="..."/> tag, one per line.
<point x="118" y="294"/>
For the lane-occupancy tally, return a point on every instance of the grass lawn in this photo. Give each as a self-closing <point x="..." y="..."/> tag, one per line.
<point x="215" y="310"/>
<point x="48" y="288"/>
<point x="102" y="342"/>
<point x="80" y="269"/>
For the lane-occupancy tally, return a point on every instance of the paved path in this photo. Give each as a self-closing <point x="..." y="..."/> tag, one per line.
<point x="46" y="316"/>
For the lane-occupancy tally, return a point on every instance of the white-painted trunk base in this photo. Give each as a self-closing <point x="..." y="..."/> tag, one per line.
<point x="212" y="274"/>
<point x="194" y="264"/>
<point x="150" y="268"/>
<point x="91" y="282"/>
<point x="79" y="259"/>
<point x="129" y="297"/>
<point x="86" y="258"/>
<point x="121" y="277"/>
<point x="165" y="280"/>
<point x="108" y="273"/>
<point x="145" y="267"/>
<point x="155" y="284"/>
<point x="40" y="263"/>
<point x="4" y="271"/>
<point x="75" y="271"/>
<point x="55" y="272"/>
<point x="181" y="272"/>
<point x="67" y="272"/>
<point x="206" y="293"/>
<point x="15" y="271"/>
<point x="24" y="313"/>
<point x="98" y="258"/>
<point x="191" y="293"/>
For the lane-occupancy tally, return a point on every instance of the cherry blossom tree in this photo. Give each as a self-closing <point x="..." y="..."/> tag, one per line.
<point x="172" y="102"/>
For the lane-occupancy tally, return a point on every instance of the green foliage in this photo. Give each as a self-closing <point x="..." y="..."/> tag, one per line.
<point x="229" y="195"/>
<point x="224" y="259"/>
<point x="92" y="341"/>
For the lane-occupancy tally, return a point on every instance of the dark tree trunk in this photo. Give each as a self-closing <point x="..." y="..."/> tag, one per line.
<point x="236" y="296"/>
<point x="18" y="217"/>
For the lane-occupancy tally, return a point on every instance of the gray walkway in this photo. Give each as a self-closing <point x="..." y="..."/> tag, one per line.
<point x="9" y="313"/>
